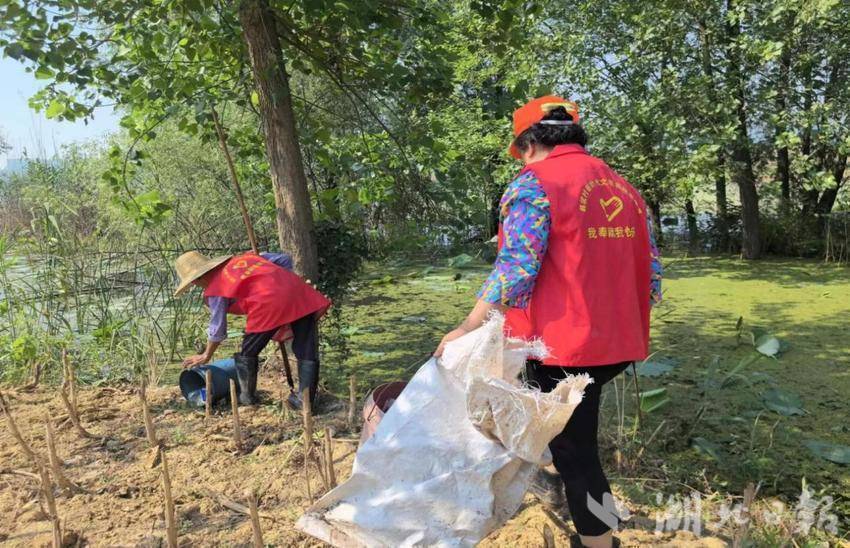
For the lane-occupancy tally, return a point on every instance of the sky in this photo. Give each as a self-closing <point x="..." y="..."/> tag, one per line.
<point x="25" y="129"/>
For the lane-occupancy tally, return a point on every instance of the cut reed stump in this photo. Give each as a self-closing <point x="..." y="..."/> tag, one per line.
<point x="70" y="376"/>
<point x="47" y="492"/>
<point x="36" y="370"/>
<point x="234" y="407"/>
<point x="255" y="519"/>
<point x="170" y="517"/>
<point x="352" y="400"/>
<point x="55" y="462"/>
<point x="68" y="392"/>
<point x="307" y="414"/>
<point x="329" y="457"/>
<point x="208" y="398"/>
<point x="13" y="428"/>
<point x="150" y="430"/>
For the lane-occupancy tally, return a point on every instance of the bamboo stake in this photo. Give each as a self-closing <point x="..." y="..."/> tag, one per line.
<point x="234" y="407"/>
<point x="208" y="379"/>
<point x="13" y="428"/>
<point x="329" y="457"/>
<point x="352" y="400"/>
<point x="55" y="462"/>
<point x="170" y="518"/>
<point x="150" y="430"/>
<point x="307" y="414"/>
<point x="252" y="238"/>
<point x="47" y="491"/>
<point x="255" y="520"/>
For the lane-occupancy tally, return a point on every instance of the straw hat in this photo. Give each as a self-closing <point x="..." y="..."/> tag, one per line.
<point x="192" y="265"/>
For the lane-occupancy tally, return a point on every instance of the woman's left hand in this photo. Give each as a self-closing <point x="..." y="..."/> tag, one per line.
<point x="450" y="336"/>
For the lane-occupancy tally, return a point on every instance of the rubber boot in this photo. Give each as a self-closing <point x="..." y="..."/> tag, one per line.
<point x="308" y="377"/>
<point x="246" y="373"/>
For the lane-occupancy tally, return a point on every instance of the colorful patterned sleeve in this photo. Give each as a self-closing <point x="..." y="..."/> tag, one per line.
<point x="657" y="270"/>
<point x="525" y="224"/>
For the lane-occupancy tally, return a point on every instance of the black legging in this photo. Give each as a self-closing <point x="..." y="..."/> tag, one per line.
<point x="305" y="339"/>
<point x="575" y="451"/>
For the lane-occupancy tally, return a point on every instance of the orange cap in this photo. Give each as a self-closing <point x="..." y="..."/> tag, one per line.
<point x="533" y="111"/>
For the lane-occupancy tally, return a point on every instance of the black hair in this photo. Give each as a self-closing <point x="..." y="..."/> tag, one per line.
<point x="550" y="135"/>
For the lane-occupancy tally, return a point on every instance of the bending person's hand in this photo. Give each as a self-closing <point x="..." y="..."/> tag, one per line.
<point x="196" y="360"/>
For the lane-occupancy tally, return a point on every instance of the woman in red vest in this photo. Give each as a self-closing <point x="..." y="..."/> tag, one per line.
<point x="263" y="288"/>
<point x="578" y="268"/>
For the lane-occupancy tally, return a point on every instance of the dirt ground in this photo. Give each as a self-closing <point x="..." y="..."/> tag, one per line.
<point x="121" y="504"/>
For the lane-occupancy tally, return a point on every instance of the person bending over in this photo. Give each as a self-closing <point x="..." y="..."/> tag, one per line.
<point x="275" y="302"/>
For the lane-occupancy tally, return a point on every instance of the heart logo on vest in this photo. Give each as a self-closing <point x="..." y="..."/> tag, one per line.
<point x="611" y="207"/>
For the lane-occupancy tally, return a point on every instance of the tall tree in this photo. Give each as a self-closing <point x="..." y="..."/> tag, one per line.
<point x="292" y="199"/>
<point x="741" y="158"/>
<point x="181" y="59"/>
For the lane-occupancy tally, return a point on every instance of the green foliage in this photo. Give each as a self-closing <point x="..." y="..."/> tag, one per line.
<point x="706" y="447"/>
<point x="839" y="454"/>
<point x="652" y="400"/>
<point x="341" y="253"/>
<point x="654" y="367"/>
<point x="783" y="402"/>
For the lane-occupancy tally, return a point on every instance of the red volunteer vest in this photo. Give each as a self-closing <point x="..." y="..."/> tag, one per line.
<point x="590" y="303"/>
<point x="269" y="295"/>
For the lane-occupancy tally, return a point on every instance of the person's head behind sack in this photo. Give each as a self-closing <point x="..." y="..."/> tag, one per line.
<point x="542" y="124"/>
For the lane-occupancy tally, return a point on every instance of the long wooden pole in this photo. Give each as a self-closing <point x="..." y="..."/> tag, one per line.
<point x="252" y="238"/>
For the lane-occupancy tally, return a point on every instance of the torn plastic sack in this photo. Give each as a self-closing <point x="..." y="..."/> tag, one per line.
<point x="453" y="457"/>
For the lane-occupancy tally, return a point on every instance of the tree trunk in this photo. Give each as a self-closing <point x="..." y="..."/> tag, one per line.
<point x="655" y="212"/>
<point x="721" y="203"/>
<point x="742" y="161"/>
<point x="783" y="163"/>
<point x="693" y="228"/>
<point x="292" y="199"/>
<point x="828" y="197"/>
